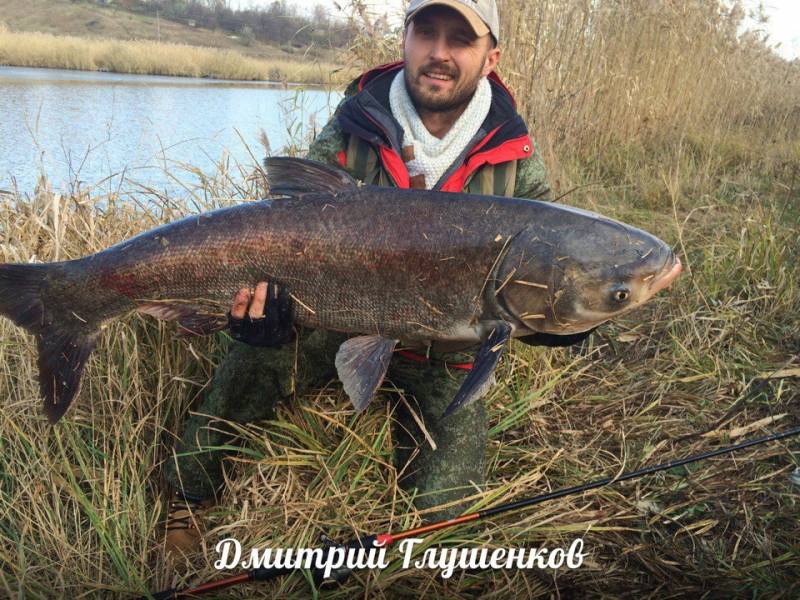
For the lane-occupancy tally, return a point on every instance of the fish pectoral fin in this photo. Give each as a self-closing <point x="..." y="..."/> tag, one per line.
<point x="480" y="377"/>
<point x="193" y="319"/>
<point x="361" y="363"/>
<point x="294" y="176"/>
<point x="554" y="341"/>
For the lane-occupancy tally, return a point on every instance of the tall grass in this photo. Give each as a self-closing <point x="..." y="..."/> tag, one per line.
<point x="666" y="120"/>
<point x="155" y="58"/>
<point x="596" y="77"/>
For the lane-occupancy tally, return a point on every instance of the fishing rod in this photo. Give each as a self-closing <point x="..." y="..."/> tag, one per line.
<point x="386" y="539"/>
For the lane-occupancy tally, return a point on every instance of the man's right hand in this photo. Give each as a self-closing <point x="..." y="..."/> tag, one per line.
<point x="263" y="318"/>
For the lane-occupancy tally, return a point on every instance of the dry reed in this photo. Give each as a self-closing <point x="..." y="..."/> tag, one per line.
<point x="155" y="58"/>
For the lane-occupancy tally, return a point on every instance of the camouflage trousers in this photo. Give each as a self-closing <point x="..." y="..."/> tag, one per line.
<point x="250" y="381"/>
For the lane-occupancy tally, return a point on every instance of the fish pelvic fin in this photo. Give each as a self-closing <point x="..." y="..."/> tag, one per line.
<point x="361" y="363"/>
<point x="193" y="319"/>
<point x="64" y="342"/>
<point x="296" y="176"/>
<point x="481" y="376"/>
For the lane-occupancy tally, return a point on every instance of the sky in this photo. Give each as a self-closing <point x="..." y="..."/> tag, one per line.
<point x="783" y="26"/>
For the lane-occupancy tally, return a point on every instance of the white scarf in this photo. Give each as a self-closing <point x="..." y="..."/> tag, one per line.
<point x="433" y="156"/>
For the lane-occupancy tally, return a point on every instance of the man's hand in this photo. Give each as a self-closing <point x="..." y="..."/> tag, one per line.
<point x="553" y="340"/>
<point x="265" y="320"/>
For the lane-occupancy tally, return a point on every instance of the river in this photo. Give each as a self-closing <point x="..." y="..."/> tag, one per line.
<point x="108" y="130"/>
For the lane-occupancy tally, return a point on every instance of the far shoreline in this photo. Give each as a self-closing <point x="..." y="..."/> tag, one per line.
<point x="142" y="57"/>
<point x="187" y="80"/>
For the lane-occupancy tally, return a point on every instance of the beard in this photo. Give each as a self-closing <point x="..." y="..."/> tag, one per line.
<point x="431" y="97"/>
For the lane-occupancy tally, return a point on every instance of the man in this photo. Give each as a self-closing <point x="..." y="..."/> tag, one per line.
<point x="441" y="119"/>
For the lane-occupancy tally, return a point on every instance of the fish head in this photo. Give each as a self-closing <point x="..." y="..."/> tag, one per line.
<point x="572" y="275"/>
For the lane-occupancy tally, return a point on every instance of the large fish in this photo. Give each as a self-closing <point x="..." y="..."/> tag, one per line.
<point x="387" y="264"/>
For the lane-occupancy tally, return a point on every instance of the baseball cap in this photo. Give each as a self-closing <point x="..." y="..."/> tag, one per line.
<point x="480" y="14"/>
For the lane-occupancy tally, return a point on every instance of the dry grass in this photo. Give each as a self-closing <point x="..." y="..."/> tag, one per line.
<point x="79" y="502"/>
<point x="97" y="21"/>
<point x="154" y="58"/>
<point x="644" y="75"/>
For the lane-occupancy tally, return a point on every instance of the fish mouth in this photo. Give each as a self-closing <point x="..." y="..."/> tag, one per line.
<point x="667" y="275"/>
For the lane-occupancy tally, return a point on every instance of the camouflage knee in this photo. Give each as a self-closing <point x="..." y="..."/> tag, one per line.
<point x="247" y="385"/>
<point x="456" y="468"/>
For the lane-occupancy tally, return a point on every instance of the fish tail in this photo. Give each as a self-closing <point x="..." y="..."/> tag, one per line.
<point x="64" y="342"/>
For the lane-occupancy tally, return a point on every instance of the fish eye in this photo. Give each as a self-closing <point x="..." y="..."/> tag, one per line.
<point x="620" y="295"/>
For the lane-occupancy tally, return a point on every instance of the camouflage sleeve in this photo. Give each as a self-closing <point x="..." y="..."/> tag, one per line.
<point x="331" y="140"/>
<point x="531" y="180"/>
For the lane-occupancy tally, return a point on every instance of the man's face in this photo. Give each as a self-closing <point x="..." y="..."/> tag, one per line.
<point x="444" y="59"/>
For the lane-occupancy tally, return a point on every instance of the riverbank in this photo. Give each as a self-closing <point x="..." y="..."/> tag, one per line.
<point x="157" y="58"/>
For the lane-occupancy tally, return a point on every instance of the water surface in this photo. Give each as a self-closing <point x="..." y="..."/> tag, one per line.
<point x="97" y="128"/>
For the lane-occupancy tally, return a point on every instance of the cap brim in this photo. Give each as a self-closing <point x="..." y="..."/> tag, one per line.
<point x="478" y="26"/>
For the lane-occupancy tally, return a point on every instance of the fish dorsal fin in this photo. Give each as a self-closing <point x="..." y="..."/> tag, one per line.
<point x="293" y="176"/>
